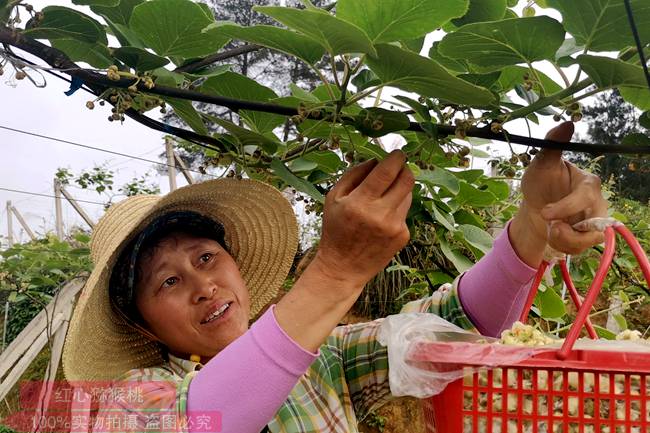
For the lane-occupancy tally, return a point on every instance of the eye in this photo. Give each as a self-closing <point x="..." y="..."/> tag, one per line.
<point x="170" y="282"/>
<point x="205" y="257"/>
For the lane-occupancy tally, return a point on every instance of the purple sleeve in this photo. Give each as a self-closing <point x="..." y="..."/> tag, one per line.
<point x="493" y="292"/>
<point x="248" y="381"/>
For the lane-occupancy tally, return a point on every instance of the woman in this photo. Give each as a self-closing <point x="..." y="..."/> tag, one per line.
<point x="177" y="279"/>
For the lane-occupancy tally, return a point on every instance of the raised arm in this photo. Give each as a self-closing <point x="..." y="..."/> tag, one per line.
<point x="557" y="194"/>
<point x="363" y="227"/>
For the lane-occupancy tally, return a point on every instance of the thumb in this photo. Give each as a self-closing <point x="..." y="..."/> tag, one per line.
<point x="562" y="133"/>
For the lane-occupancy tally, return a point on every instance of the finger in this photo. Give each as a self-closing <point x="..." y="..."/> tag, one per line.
<point x="402" y="186"/>
<point x="581" y="199"/>
<point x="562" y="133"/>
<point x="403" y="207"/>
<point x="383" y="175"/>
<point x="564" y="238"/>
<point x="352" y="178"/>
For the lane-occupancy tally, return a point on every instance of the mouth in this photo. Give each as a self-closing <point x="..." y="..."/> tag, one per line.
<point x="217" y="313"/>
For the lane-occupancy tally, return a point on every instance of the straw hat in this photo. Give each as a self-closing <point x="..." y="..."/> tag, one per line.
<point x="261" y="233"/>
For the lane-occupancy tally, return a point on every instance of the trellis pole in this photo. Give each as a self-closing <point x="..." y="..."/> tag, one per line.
<point x="171" y="163"/>
<point x="76" y="207"/>
<point x="10" y="225"/>
<point x="184" y="170"/>
<point x="57" y="206"/>
<point x="22" y="221"/>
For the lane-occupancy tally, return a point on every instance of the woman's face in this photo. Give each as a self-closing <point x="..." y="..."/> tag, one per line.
<point x="183" y="282"/>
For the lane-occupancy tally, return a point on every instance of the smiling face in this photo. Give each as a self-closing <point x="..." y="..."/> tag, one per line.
<point x="183" y="280"/>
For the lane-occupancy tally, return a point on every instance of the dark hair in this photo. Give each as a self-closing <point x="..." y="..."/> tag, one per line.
<point x="127" y="271"/>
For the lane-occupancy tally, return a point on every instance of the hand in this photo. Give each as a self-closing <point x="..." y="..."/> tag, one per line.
<point x="364" y="220"/>
<point x="557" y="194"/>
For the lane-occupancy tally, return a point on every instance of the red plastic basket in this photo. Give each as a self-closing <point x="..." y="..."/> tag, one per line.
<point x="581" y="391"/>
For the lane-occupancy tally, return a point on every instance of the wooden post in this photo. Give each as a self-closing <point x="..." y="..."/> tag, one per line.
<point x="23" y="223"/>
<point x="10" y="225"/>
<point x="50" y="373"/>
<point x="184" y="169"/>
<point x="76" y="207"/>
<point x="27" y="345"/>
<point x="57" y="206"/>
<point x="171" y="163"/>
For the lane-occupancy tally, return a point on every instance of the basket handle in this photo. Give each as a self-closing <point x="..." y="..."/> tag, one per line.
<point x="592" y="294"/>
<point x="582" y="317"/>
<point x="575" y="297"/>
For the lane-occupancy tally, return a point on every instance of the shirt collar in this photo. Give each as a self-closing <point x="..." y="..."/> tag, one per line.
<point x="183" y="366"/>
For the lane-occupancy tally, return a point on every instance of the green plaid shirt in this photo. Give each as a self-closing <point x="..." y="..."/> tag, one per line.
<point x="343" y="385"/>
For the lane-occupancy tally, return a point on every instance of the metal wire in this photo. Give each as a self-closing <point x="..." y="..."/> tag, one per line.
<point x="637" y="40"/>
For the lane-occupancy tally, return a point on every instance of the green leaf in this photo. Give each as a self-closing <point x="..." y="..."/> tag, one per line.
<point x="327" y="160"/>
<point x="499" y="188"/>
<point x="395" y="20"/>
<point x="445" y="219"/>
<point x="602" y="25"/>
<point x="120" y="14"/>
<point x="247" y="137"/>
<point x="440" y="177"/>
<point x="124" y="34"/>
<point x="550" y="304"/>
<point x="411" y="72"/>
<point x="301" y="164"/>
<point x="302" y="94"/>
<point x="281" y="170"/>
<point x="503" y="43"/>
<point x="644" y="119"/>
<point x="513" y="75"/>
<point x="278" y="39"/>
<point x="469" y="176"/>
<point x="174" y="28"/>
<point x="420" y="109"/>
<point x="165" y="77"/>
<point x="370" y="150"/>
<point x="482" y="10"/>
<point x="476" y="237"/>
<point x="469" y="195"/>
<point x="82" y="238"/>
<point x="376" y="122"/>
<point x="453" y="65"/>
<point x="365" y="79"/>
<point x="209" y="72"/>
<point x="336" y="35"/>
<point x="636" y="139"/>
<point x="460" y="262"/>
<point x="607" y="72"/>
<point x="139" y="59"/>
<point x="414" y="45"/>
<point x="186" y="111"/>
<point x="604" y="333"/>
<point x="464" y="217"/>
<point x="237" y="86"/>
<point x="104" y="3"/>
<point x="640" y="98"/>
<point x="620" y="321"/>
<point x="95" y="54"/>
<point x="64" y="23"/>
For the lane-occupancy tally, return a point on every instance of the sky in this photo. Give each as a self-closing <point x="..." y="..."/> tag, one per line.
<point x="29" y="163"/>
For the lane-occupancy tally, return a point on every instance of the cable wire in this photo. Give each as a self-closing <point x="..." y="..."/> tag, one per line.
<point x="86" y="146"/>
<point x="47" y="195"/>
<point x="637" y="40"/>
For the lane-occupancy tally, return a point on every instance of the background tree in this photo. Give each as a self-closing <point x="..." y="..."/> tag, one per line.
<point x="609" y="120"/>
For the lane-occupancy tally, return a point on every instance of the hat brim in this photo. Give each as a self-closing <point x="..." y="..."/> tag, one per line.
<point x="261" y="233"/>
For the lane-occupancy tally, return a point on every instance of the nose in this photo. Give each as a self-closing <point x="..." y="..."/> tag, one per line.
<point x="203" y="287"/>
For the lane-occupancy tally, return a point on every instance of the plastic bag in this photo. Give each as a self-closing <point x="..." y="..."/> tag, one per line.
<point x="426" y="352"/>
